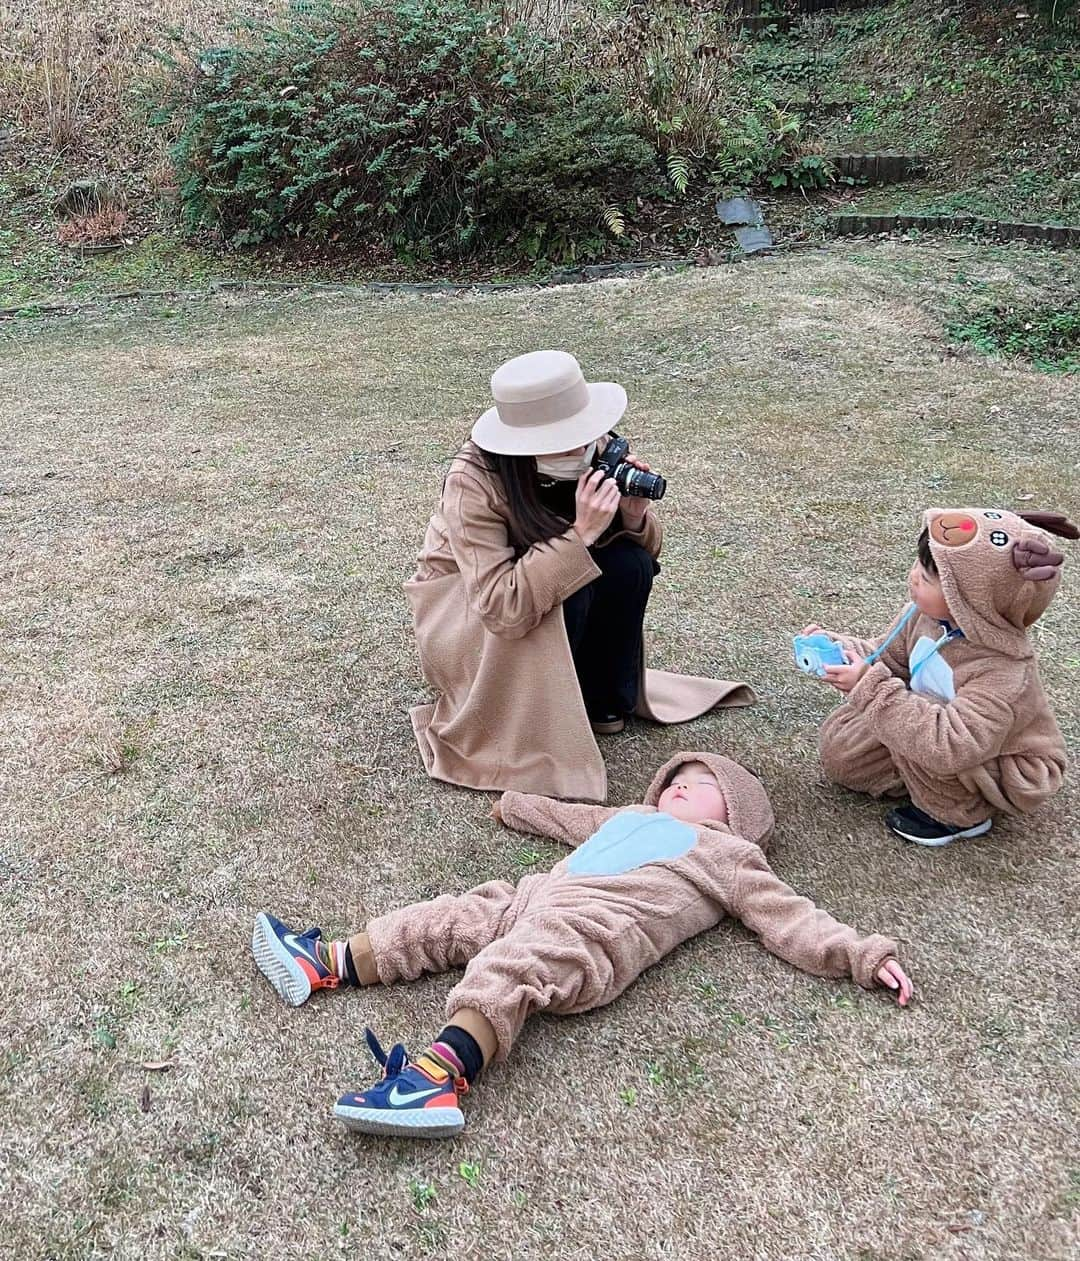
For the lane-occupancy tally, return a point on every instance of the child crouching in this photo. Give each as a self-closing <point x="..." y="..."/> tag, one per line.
<point x="948" y="707"/>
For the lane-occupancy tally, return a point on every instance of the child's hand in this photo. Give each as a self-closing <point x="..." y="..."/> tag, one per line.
<point x="844" y="678"/>
<point x="893" y="977"/>
<point x="496" y="812"/>
<point x="815" y="629"/>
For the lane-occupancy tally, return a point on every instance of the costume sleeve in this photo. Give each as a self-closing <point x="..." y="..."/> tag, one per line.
<point x="568" y="821"/>
<point x="511" y="595"/>
<point x="792" y="927"/>
<point x="958" y="736"/>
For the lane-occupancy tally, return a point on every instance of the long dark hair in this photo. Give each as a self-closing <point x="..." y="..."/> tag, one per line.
<point x="529" y="522"/>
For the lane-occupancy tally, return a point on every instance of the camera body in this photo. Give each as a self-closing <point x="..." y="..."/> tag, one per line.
<point x="630" y="480"/>
<point x="814" y="652"/>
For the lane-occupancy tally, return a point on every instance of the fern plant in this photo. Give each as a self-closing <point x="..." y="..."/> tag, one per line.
<point x="678" y="169"/>
<point x="614" y="221"/>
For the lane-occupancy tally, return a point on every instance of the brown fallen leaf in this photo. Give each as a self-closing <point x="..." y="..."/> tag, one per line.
<point x="144" y="1098"/>
<point x="158" y="1066"/>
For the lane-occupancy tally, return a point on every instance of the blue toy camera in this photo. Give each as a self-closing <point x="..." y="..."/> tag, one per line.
<point x="814" y="652"/>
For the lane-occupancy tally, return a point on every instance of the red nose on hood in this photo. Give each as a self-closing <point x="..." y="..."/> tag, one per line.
<point x="749" y="812"/>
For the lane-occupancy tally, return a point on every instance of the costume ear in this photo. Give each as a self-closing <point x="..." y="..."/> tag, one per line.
<point x="1035" y="561"/>
<point x="1052" y="522"/>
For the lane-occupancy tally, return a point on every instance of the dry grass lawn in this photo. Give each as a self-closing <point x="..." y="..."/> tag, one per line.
<point x="205" y="663"/>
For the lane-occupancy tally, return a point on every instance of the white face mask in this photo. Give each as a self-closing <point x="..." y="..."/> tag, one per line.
<point x="566" y="468"/>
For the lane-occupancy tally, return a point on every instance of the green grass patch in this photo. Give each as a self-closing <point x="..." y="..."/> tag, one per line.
<point x="1046" y="335"/>
<point x="1012" y="196"/>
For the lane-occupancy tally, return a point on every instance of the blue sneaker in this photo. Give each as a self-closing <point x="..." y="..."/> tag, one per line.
<point x="412" y="1101"/>
<point x="289" y="960"/>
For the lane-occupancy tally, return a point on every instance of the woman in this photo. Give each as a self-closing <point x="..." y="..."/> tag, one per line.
<point x="530" y="594"/>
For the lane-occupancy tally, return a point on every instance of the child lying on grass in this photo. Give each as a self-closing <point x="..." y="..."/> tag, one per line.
<point x="641" y="880"/>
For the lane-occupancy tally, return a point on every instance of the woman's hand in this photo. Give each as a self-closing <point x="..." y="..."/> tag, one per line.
<point x="894" y="978"/>
<point x="633" y="507"/>
<point x="597" y="501"/>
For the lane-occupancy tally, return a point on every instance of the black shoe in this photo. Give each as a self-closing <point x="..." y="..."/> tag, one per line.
<point x="607" y="724"/>
<point x="915" y="825"/>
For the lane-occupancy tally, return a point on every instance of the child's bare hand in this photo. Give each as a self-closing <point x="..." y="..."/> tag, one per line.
<point x="496" y="812"/>
<point x="815" y="629"/>
<point x="894" y="978"/>
<point x="844" y="678"/>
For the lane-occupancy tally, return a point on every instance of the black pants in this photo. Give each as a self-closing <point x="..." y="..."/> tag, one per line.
<point x="604" y="626"/>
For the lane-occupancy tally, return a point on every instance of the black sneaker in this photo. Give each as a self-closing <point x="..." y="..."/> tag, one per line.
<point x="607" y="724"/>
<point x="915" y="825"/>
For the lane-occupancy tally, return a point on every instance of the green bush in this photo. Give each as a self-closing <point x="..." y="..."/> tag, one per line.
<point x="423" y="124"/>
<point x="760" y="141"/>
<point x="561" y="171"/>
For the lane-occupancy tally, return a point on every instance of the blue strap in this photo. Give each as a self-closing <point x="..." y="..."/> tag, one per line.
<point x="892" y="635"/>
<point x="953" y="634"/>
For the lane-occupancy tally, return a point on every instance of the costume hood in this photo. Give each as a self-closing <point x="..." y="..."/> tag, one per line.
<point x="998" y="570"/>
<point x="749" y="813"/>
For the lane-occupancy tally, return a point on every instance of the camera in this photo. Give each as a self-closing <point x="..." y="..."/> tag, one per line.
<point x="630" y="480"/>
<point x="814" y="652"/>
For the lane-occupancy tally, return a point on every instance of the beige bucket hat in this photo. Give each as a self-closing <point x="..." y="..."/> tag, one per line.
<point x="543" y="405"/>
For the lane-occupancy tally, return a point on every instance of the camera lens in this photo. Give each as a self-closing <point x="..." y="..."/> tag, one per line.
<point x="635" y="481"/>
<point x="657" y="485"/>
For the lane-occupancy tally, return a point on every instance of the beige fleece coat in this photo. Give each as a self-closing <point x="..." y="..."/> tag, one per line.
<point x="492" y="644"/>
<point x="638" y="884"/>
<point x="976" y="736"/>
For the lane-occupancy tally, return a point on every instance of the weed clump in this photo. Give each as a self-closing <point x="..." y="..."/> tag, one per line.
<point x="1047" y="335"/>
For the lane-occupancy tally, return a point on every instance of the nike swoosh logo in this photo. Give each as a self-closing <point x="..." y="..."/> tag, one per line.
<point x="398" y="1100"/>
<point x="293" y="942"/>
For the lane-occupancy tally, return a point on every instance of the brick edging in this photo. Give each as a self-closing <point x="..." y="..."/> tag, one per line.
<point x="1039" y="233"/>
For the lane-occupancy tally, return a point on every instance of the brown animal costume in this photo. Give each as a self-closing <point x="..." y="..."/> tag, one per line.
<point x="972" y="733"/>
<point x="493" y="644"/>
<point x="638" y="883"/>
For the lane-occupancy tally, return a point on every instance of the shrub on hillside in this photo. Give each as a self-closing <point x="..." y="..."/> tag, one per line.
<point x="421" y="123"/>
<point x="554" y="178"/>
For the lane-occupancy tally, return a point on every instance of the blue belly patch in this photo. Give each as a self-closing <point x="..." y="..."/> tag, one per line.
<point x="935" y="678"/>
<point x="631" y="840"/>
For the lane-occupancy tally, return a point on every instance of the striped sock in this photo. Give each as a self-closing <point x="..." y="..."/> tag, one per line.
<point x="332" y="956"/>
<point x="446" y="1058"/>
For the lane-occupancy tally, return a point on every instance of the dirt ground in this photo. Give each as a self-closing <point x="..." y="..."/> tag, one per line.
<point x="207" y="511"/>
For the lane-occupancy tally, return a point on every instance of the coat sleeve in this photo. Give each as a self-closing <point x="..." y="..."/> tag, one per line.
<point x="958" y="736"/>
<point x="568" y="821"/>
<point x="511" y="595"/>
<point x="792" y="927"/>
<point x="650" y="536"/>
